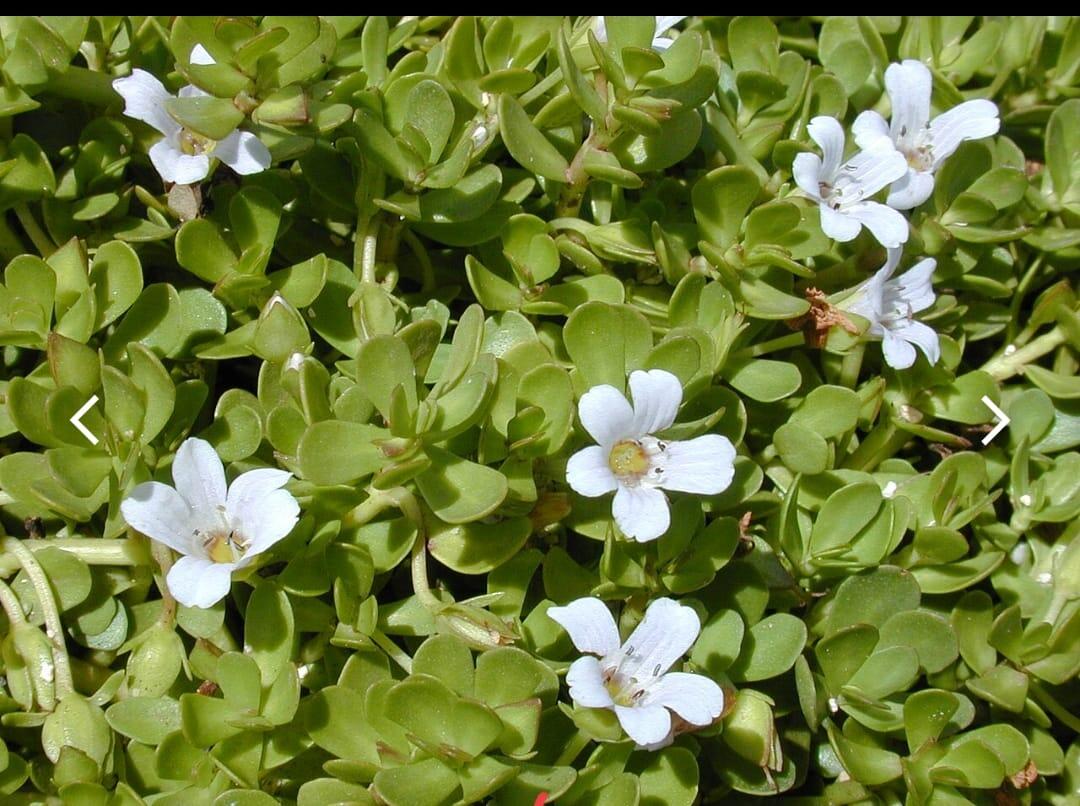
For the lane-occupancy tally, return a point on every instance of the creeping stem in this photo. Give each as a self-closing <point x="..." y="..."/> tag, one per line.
<point x="402" y="499"/>
<point x="91" y="550"/>
<point x="1004" y="365"/>
<point x="53" y="628"/>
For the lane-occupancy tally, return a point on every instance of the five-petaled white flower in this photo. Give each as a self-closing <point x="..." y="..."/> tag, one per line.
<point x="843" y="190"/>
<point x="636" y="465"/>
<point x="924" y="143"/>
<point x="890" y="305"/>
<point x="632" y="679"/>
<point x="183" y="156"/>
<point x="217" y="531"/>
<point x="663" y="25"/>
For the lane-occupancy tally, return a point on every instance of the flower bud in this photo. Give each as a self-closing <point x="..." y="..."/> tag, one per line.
<point x="478" y="628"/>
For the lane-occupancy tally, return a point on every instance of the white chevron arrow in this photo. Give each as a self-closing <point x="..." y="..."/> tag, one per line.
<point x="1002" y="417"/>
<point x="76" y="420"/>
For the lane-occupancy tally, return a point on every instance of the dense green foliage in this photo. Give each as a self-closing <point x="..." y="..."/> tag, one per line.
<point x="467" y="223"/>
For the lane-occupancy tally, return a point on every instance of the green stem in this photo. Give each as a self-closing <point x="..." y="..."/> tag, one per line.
<point x="421" y="584"/>
<point x="852" y="365"/>
<point x="541" y="87"/>
<point x="577" y="181"/>
<point x="881" y="443"/>
<point x="80" y="84"/>
<point x="91" y="550"/>
<point x="771" y="346"/>
<point x="1018" y="297"/>
<point x="10" y="602"/>
<point x="164" y="556"/>
<point x="373" y="505"/>
<point x="1005" y="366"/>
<point x="572" y="750"/>
<point x="54" y="629"/>
<point x="395" y="653"/>
<point x="42" y="242"/>
<point x="1053" y="706"/>
<point x="367" y="240"/>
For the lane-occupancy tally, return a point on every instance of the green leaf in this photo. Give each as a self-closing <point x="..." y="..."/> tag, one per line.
<point x="770" y="648"/>
<point x="606" y="342"/>
<point x="211" y="117"/>
<point x="338" y="452"/>
<point x="145" y="719"/>
<point x="527" y="144"/>
<point x="268" y="630"/>
<point x="459" y="491"/>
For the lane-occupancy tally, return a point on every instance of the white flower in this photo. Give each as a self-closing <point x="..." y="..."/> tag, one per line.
<point x="663" y="25"/>
<point x="636" y="465"/>
<point x="843" y="189"/>
<point x="633" y="679"/>
<point x="216" y="530"/>
<point x="924" y="143"/>
<point x="183" y="156"/>
<point x="890" y="305"/>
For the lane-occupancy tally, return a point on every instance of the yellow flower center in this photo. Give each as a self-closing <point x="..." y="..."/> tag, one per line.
<point x="628" y="458"/>
<point x="194" y="144"/>
<point x="223" y="547"/>
<point x="920" y="158"/>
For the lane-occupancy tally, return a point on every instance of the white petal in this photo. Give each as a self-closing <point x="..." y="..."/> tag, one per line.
<point x="662" y="43"/>
<point x="970" y="120"/>
<point x="589" y="624"/>
<point x="641" y="512"/>
<point x="606" y="415"/>
<point x="667" y="23"/>
<point x="144" y="99"/>
<point x="869" y="171"/>
<point x="270" y="521"/>
<point x="806" y="170"/>
<point x="892" y="260"/>
<point x="915" y="286"/>
<point x="198" y="582"/>
<point x="243" y="152"/>
<point x="646" y="725"/>
<point x="898" y="353"/>
<point x="199" y="475"/>
<point x="600" y="29"/>
<point x="657" y="395"/>
<point x="922" y="336"/>
<point x="868" y="299"/>
<point x="911" y="190"/>
<point x="248" y="488"/>
<point x="829" y="135"/>
<point x="260" y="510"/>
<point x="177" y="167"/>
<point x="158" y="511"/>
<point x="837" y="225"/>
<point x="704" y="465"/>
<point x="694" y="697"/>
<point x="668" y="630"/>
<point x="588" y="472"/>
<point x="869" y="129"/>
<point x="191" y="91"/>
<point x="586" y="680"/>
<point x="909" y="84"/>
<point x="200" y="55"/>
<point x="886" y="224"/>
